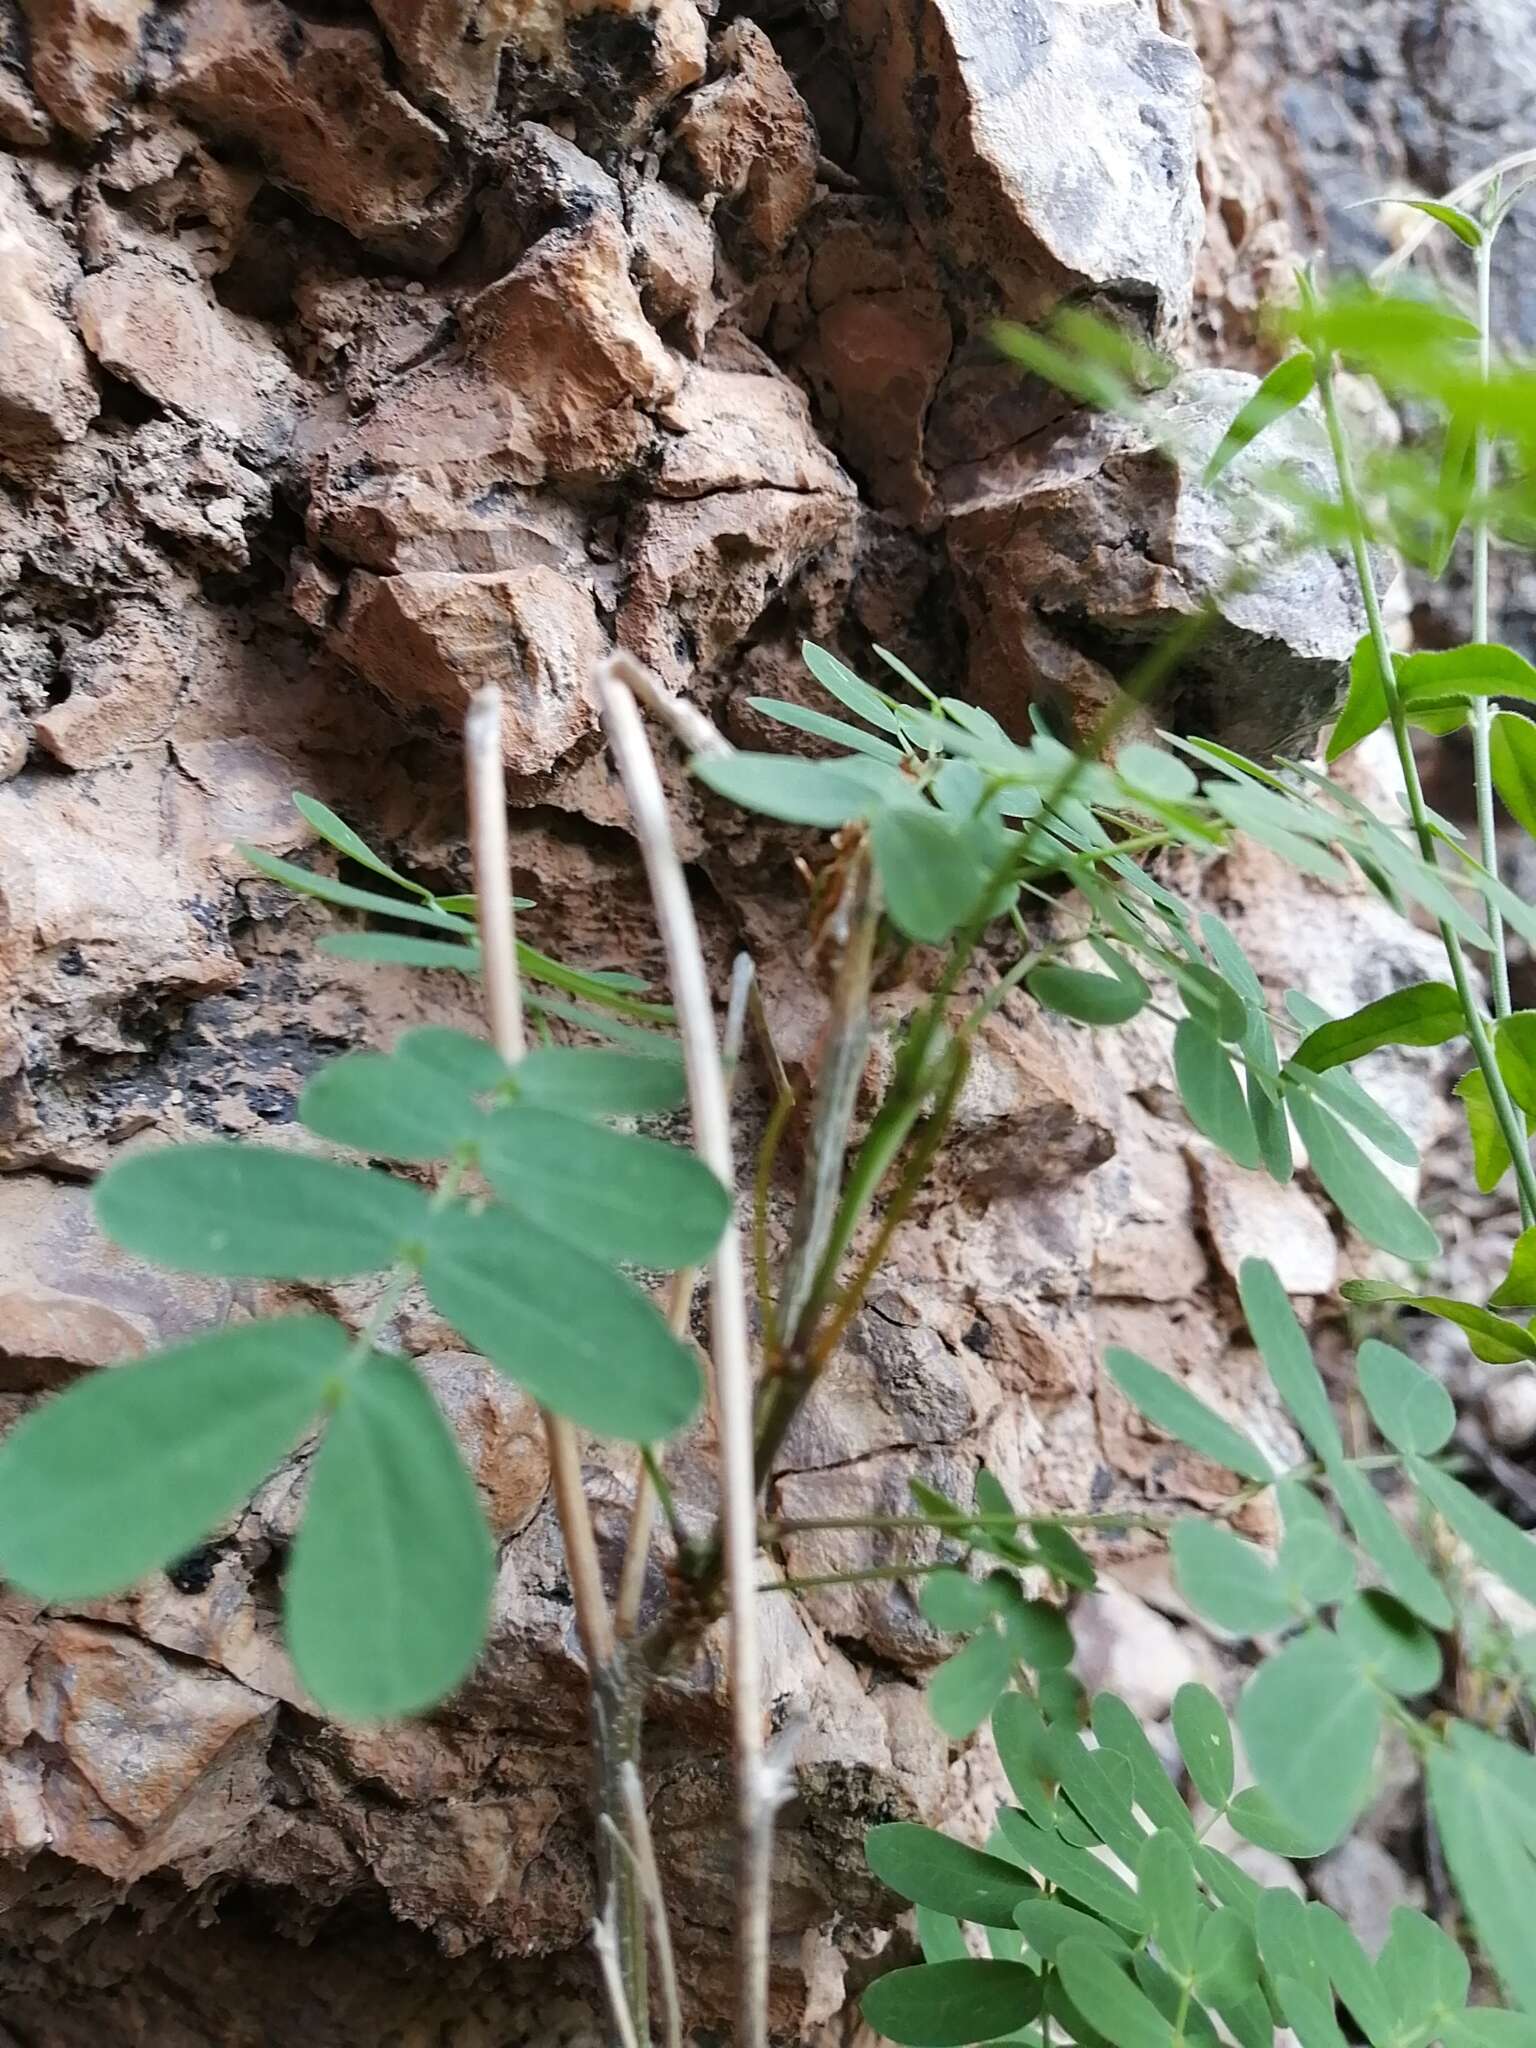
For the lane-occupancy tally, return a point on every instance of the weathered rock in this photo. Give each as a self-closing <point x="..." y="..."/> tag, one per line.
<point x="1127" y="1648"/>
<point x="86" y="59"/>
<point x="1046" y="150"/>
<point x="1077" y="551"/>
<point x="311" y="97"/>
<point x="1365" y="1886"/>
<point x="46" y="390"/>
<point x="48" y="1338"/>
<point x="746" y="138"/>
<point x="430" y="641"/>
<point x="675" y="263"/>
<point x="165" y="332"/>
<point x="24" y="122"/>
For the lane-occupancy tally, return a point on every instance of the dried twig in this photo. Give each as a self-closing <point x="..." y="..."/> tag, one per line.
<point x="693" y="727"/>
<point x="728" y="1319"/>
<point x="498" y="948"/>
<point x="605" y="1941"/>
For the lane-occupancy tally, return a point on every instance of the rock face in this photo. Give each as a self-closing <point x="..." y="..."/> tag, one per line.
<point x="349" y="362"/>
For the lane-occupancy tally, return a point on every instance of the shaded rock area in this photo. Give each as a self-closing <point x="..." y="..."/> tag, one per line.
<point x="348" y="361"/>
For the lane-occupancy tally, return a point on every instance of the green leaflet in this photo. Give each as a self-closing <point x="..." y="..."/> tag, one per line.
<point x="341" y="835"/>
<point x="305" y="882"/>
<point x="1490" y="1154"/>
<point x="1514" y="1041"/>
<point x="1362" y="1192"/>
<point x="1205" y="1742"/>
<point x="1428" y="1013"/>
<point x="510" y="1288"/>
<point x="1507" y="1551"/>
<point x="621" y="1197"/>
<point x="1165" y="1879"/>
<point x="1518" y="1287"/>
<point x="1388" y="1644"/>
<point x="1310" y="1721"/>
<point x="1512" y="756"/>
<point x="966" y="1687"/>
<point x="1400" y="1565"/>
<point x="1088" y="998"/>
<point x="1085" y="1880"/>
<point x="1487" y="1838"/>
<point x="856" y="696"/>
<point x="1412" y="1410"/>
<point x="1209" y="1089"/>
<point x="1167" y="1402"/>
<point x="135" y="1465"/>
<point x="956" y="1603"/>
<point x="948" y="1876"/>
<point x="782" y="786"/>
<point x="952" y="2004"/>
<point x="838" y="730"/>
<point x="1461" y="225"/>
<point x="388" y="1107"/>
<point x="253" y="1212"/>
<point x="1286" y="386"/>
<point x="1493" y="1338"/>
<point x="1287" y="1355"/>
<point x="1479" y="670"/>
<point x="388" y="1587"/>
<point x="1109" y="2000"/>
<point x="1229" y="1581"/>
<point x="930" y="869"/>
<point x="456" y="1056"/>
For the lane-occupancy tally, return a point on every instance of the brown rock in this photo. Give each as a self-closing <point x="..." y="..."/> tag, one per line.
<point x="430" y="641"/>
<point x="85" y="59"/>
<point x="312" y="98"/>
<point x="166" y="333"/>
<point x="1247" y="1216"/>
<point x="47" y="1338"/>
<point x="674" y="264"/>
<point x="46" y="390"/>
<point x="747" y="136"/>
<point x="450" y="50"/>
<point x="741" y="428"/>
<point x="158" y="1762"/>
<point x="122" y="687"/>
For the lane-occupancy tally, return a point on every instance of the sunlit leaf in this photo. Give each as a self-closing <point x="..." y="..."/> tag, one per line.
<point x="252" y="1212"/>
<point x="135" y="1465"/>
<point x="1287" y="1355"/>
<point x="387" y="1593"/>
<point x="305" y="882"/>
<point x="1428" y="1013"/>
<point x="341" y="835"/>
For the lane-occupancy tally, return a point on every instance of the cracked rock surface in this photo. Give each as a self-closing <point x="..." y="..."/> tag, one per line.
<point x="348" y="361"/>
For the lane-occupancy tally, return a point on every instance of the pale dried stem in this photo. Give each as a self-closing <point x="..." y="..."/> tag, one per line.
<point x="606" y="1943"/>
<point x="693" y="727"/>
<point x="642" y="1847"/>
<point x="732" y="1379"/>
<point x="504" y="1004"/>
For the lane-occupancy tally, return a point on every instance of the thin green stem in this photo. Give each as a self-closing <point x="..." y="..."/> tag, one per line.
<point x="1509" y="1121"/>
<point x="1482" y="707"/>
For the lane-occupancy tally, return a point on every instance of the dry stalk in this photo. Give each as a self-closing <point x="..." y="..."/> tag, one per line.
<point x="615" y="681"/>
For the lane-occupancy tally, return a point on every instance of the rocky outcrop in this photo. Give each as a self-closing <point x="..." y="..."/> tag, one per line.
<point x="347" y="364"/>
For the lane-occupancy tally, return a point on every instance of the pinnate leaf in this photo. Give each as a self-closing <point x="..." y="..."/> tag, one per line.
<point x="1428" y="1013"/>
<point x="1287" y="384"/>
<point x="935" y="1870"/>
<point x="782" y="786"/>
<point x="1286" y="1353"/>
<point x="1364" y="1195"/>
<point x="1512" y="756"/>
<point x="391" y="1108"/>
<point x="929" y="868"/>
<point x="1210" y="1092"/>
<point x="1109" y="2000"/>
<point x="134" y="1465"/>
<point x="388" y="1587"/>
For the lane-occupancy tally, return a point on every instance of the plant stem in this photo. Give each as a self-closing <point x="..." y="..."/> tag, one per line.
<point x="728" y="1326"/>
<point x="498" y="940"/>
<point x="1509" y="1120"/>
<point x="1482" y="706"/>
